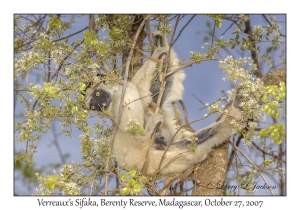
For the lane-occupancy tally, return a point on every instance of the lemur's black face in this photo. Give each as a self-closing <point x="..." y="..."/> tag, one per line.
<point x="158" y="40"/>
<point x="100" y="100"/>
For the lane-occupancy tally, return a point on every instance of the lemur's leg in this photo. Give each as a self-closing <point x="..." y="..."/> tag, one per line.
<point x="160" y="40"/>
<point x="179" y="156"/>
<point x="153" y="124"/>
<point x="144" y="76"/>
<point x="217" y="132"/>
<point x="173" y="91"/>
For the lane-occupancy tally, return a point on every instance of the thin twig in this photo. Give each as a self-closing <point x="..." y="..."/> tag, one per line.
<point x="233" y="152"/>
<point x="58" y="70"/>
<point x="105" y="66"/>
<point x="162" y="85"/>
<point x="91" y="190"/>
<point x="227" y="28"/>
<point x="270" y="154"/>
<point x="213" y="34"/>
<point x="148" y="30"/>
<point x="66" y="37"/>
<point x="256" y="168"/>
<point x="198" y="99"/>
<point x="186" y="114"/>
<point x="189" y="64"/>
<point x="55" y="140"/>
<point x="172" y="18"/>
<point x="248" y="31"/>
<point x="184" y="28"/>
<point x="145" y="55"/>
<point x="264" y="16"/>
<point x="49" y="64"/>
<point x="169" y="180"/>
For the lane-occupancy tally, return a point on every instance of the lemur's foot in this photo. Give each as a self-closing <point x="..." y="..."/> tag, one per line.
<point x="159" y="52"/>
<point x="157" y="37"/>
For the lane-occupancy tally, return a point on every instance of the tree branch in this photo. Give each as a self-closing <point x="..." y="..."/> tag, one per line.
<point x="248" y="31"/>
<point x="256" y="168"/>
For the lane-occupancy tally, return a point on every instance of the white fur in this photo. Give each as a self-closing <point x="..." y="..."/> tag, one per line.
<point x="131" y="149"/>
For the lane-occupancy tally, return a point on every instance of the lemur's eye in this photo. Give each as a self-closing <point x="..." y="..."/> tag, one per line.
<point x="92" y="107"/>
<point x="98" y="94"/>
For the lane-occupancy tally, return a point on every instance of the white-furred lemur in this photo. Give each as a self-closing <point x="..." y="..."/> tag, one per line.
<point x="137" y="151"/>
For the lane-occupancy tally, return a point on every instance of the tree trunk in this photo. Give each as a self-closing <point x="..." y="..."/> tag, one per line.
<point x="137" y="59"/>
<point x="211" y="173"/>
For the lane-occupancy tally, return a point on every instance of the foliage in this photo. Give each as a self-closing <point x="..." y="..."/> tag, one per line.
<point x="134" y="127"/>
<point x="133" y="183"/>
<point x="59" y="67"/>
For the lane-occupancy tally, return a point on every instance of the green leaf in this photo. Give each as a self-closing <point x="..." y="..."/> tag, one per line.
<point x="82" y="86"/>
<point x="53" y="23"/>
<point x="80" y="97"/>
<point x="265" y="99"/>
<point x="88" y="40"/>
<point x="132" y="172"/>
<point x="277" y="140"/>
<point x="137" y="189"/>
<point x="84" y="114"/>
<point x="74" y="110"/>
<point x="264" y="132"/>
<point x="220" y="44"/>
<point x="271" y="112"/>
<point x="131" y="182"/>
<point x="268" y="161"/>
<point x="125" y="191"/>
<point x="265" y="107"/>
<point x="51" y="183"/>
<point x="282" y="96"/>
<point x="87" y="33"/>
<point x="218" y="23"/>
<point x="275" y="135"/>
<point x="276" y="115"/>
<point x="88" y="133"/>
<point x="275" y="104"/>
<point x="123" y="177"/>
<point x="24" y="135"/>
